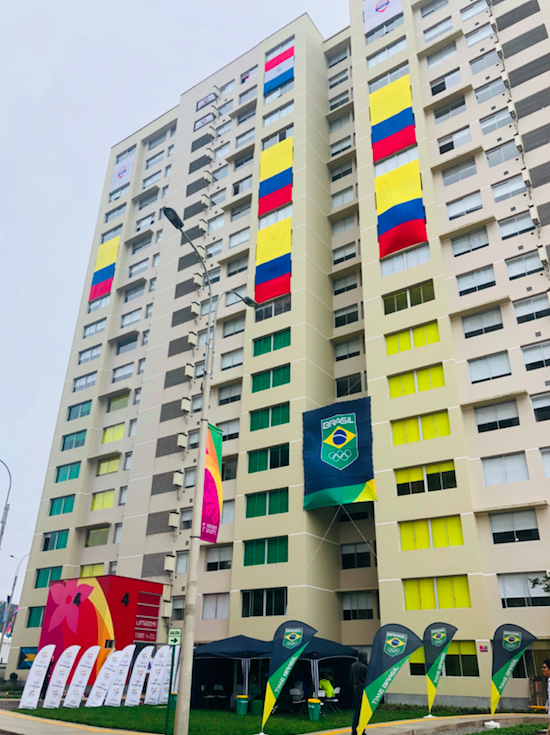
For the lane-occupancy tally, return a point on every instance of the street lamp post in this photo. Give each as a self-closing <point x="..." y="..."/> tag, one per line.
<point x="6" y="506"/>
<point x="183" y="706"/>
<point x="8" y="617"/>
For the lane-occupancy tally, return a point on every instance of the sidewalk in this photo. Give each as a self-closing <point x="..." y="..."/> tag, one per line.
<point x="13" y="723"/>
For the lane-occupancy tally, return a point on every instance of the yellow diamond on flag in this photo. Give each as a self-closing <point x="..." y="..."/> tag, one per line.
<point x="339" y="437"/>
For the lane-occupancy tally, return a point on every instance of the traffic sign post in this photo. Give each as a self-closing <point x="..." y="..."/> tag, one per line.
<point x="174" y="639"/>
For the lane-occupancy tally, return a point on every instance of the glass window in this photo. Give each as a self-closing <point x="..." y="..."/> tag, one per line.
<point x="438" y="57"/>
<point x="489" y="367"/>
<point x="488" y="91"/>
<point x="385" y="53"/>
<point x="497" y="416"/>
<point x="389" y="77"/>
<point x="504" y="469"/>
<point x="524" y="265"/>
<point x="442" y="83"/>
<point x="502" y="153"/>
<point x="470" y="241"/>
<point x="456" y="107"/>
<point x="86" y="381"/>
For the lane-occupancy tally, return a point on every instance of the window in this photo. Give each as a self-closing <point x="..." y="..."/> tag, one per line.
<point x="504" y="469"/>
<point x="155" y="260"/>
<point x="484" y="62"/>
<point x="442" y="83"/>
<point x="247" y="115"/>
<point x="237" y="266"/>
<point x="464" y="205"/>
<point x="439" y="57"/>
<point x="141" y="366"/>
<point x="86" y="381"/>
<point x="220" y="173"/>
<point x="196" y="404"/>
<point x="98" y="303"/>
<point x="451" y="110"/>
<point x="122" y="495"/>
<point x="278" y="114"/>
<point x="469" y="242"/>
<point x="152" y="287"/>
<point x="96" y="536"/>
<point x="473" y="9"/>
<point x="432" y="7"/>
<point x="461" y="660"/>
<point x="502" y="153"/>
<point x="36" y="617"/>
<point x="395" y="161"/>
<point x="416" y="381"/>
<point x="72" y="441"/>
<point x="339" y="78"/>
<point x="385" y="28"/>
<point x="118" y="533"/>
<point x="339" y="123"/>
<point x="127" y="460"/>
<point x="182" y="562"/>
<point x="64" y="504"/>
<point x="218" y="197"/>
<point x="145" y="222"/>
<point x="261" y="603"/>
<point x="278" y="92"/>
<point x="91" y="353"/>
<point x="216" y="606"/>
<point x="238" y="238"/>
<point x="229" y="468"/>
<point x="154" y="142"/>
<point x="475" y="280"/>
<point x="340" y="171"/>
<point x="342" y="197"/>
<point x="479" y="34"/>
<point x="170" y="150"/>
<point x="215" y="223"/>
<point x="430" y="34"/>
<point x="455" y="140"/>
<point x="79" y="410"/>
<point x="277" y="137"/>
<point x="339" y="100"/>
<point x="426" y="478"/>
<point x="244" y="160"/>
<point x="134" y="293"/>
<point x="488" y="91"/>
<point x="385" y="53"/>
<point x="274" y="308"/>
<point x="511" y="527"/>
<point x="118" y="402"/>
<point x="125" y="154"/>
<point x="497" y="416"/>
<point x="388" y="77"/>
<point x="107" y="466"/>
<point x="137" y="396"/>
<point x="284" y="46"/>
<point x="496" y="121"/>
<point x="229" y="394"/>
<point x="241" y="186"/>
<point x="193" y="439"/>
<point x="482" y="323"/>
<point x="137" y="268"/>
<point x="94" y="328"/>
<point x="432" y="533"/>
<point x="545" y="456"/>
<point x="214" y="248"/>
<point x="516" y="225"/>
<point x="271" y="378"/>
<point x="178" y="607"/>
<point x="347" y="252"/>
<point x="536" y="356"/>
<point x="516" y="590"/>
<point x="154" y="160"/>
<point x="337" y="58"/>
<point x="235" y="296"/>
<point x="348" y="315"/>
<point x="218" y="558"/>
<point x="541" y="406"/>
<point x="241" y="210"/>
<point x="103" y="500"/>
<point x="269" y="459"/>
<point x="91" y="570"/>
<point x="426" y="334"/>
<point x="110" y="234"/>
<point x="141" y="244"/>
<point x="228" y="511"/>
<point x="277" y="216"/>
<point x="224" y="109"/>
<point x="266" y="551"/>
<point x="221" y="152"/>
<point x="55" y="540"/>
<point x="245" y="76"/>
<point x="412" y="296"/>
<point x="357" y="605"/>
<point x="345" y="350"/>
<point x="229" y="429"/>
<point x="233" y="326"/>
<point x="199" y="370"/>
<point x="349" y="385"/>
<point x="421" y="428"/>
<point x="346" y="283"/>
<point x="132" y="427"/>
<point x="227" y="87"/>
<point x="47" y="575"/>
<point x="270" y="503"/>
<point x="343" y="224"/>
<point x="524" y="265"/>
<point x="150" y="180"/>
<point x="123" y="373"/>
<point x="272" y="342"/>
<point x="404" y="260"/>
<point x="452" y="592"/>
<point x="489" y="367"/>
<point x="114" y="213"/>
<point x="508" y="189"/>
<point x="535" y="307"/>
<point x="186" y="519"/>
<point x="354" y="556"/>
<point x="266" y="417"/>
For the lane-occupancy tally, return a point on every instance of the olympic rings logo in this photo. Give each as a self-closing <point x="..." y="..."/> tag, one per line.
<point x="340" y="455"/>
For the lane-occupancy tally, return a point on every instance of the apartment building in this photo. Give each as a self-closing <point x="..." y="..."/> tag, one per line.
<point x="417" y="228"/>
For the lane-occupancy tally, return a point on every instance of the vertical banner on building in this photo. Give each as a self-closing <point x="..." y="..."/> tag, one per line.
<point x="137" y="678"/>
<point x="377" y="12"/>
<point x="122" y="173"/>
<point x="437" y="639"/>
<point x="104" y="680"/>
<point x="59" y="677"/>
<point x="289" y="642"/>
<point x="509" y="644"/>
<point x="212" y="500"/>
<point x="152" y="693"/>
<point x="114" y="694"/>
<point x="35" y="679"/>
<point x="337" y="454"/>
<point x="392" y="646"/>
<point x="79" y="682"/>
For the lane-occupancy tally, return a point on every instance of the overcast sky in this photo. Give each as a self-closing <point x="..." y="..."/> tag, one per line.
<point x="76" y="77"/>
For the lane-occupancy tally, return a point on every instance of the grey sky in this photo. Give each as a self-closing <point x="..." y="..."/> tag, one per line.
<point x="76" y="77"/>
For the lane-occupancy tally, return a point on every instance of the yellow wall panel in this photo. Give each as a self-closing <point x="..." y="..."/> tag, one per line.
<point x="274" y="241"/>
<point x="276" y="159"/>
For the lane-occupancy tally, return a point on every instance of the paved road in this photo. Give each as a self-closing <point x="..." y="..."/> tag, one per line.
<point x="13" y="723"/>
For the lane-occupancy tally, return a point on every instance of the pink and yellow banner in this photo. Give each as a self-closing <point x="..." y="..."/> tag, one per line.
<point x="213" y="494"/>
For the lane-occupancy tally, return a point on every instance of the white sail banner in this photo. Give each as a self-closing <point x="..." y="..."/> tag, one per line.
<point x="154" y="685"/>
<point x="137" y="678"/>
<point x="58" y="680"/>
<point x="114" y="695"/>
<point x="35" y="679"/>
<point x="104" y="680"/>
<point x="79" y="682"/>
<point x="165" y="687"/>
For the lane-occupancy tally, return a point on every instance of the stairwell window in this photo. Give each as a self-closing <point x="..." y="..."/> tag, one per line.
<point x="339" y="100"/>
<point x="337" y="58"/>
<point x="339" y="78"/>
<point x="342" y="197"/>
<point x="349" y="315"/>
<point x="358" y="605"/>
<point x="340" y="171"/>
<point x="348" y="385"/>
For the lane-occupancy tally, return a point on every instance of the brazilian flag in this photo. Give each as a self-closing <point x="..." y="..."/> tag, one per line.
<point x="509" y="644"/>
<point x="437" y="639"/>
<point x="290" y="641"/>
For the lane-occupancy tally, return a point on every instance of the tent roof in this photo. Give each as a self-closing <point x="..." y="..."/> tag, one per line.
<point x="241" y="646"/>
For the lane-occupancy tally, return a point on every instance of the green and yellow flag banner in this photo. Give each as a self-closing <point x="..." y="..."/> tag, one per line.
<point x="509" y="643"/>
<point x="392" y="646"/>
<point x="437" y="639"/>
<point x="290" y="641"/>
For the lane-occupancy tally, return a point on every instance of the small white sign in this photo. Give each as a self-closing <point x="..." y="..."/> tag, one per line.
<point x="174" y="637"/>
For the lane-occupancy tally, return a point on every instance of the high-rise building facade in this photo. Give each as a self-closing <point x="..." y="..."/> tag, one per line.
<point x="385" y="195"/>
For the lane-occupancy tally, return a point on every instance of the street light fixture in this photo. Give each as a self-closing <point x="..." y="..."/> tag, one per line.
<point x="6" y="506"/>
<point x="8" y="617"/>
<point x="183" y="705"/>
